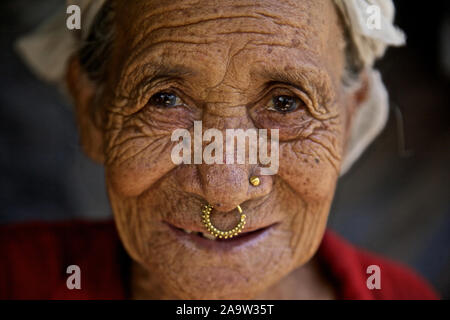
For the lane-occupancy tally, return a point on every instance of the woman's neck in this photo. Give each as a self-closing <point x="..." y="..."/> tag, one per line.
<point x="307" y="282"/>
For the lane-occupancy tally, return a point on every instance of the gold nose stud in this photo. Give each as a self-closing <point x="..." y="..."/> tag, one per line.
<point x="206" y="210"/>
<point x="255" y="181"/>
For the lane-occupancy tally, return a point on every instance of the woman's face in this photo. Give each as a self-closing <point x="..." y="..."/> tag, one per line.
<point x="223" y="62"/>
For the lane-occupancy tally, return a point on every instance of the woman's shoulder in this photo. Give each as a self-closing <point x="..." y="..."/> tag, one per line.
<point x="35" y="257"/>
<point x="359" y="274"/>
<point x="34" y="261"/>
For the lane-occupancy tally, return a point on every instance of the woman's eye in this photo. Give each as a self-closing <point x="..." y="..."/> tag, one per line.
<point x="165" y="100"/>
<point x="283" y="104"/>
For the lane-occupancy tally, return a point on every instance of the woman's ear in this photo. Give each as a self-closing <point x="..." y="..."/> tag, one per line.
<point x="368" y="104"/>
<point x="83" y="91"/>
<point x="356" y="96"/>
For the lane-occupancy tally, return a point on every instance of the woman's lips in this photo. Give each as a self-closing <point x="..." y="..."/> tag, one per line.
<point x="205" y="240"/>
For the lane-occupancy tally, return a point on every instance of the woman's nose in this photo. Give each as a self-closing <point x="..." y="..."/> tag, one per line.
<point x="225" y="186"/>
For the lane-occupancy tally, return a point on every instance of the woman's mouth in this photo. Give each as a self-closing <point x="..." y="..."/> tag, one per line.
<point x="206" y="240"/>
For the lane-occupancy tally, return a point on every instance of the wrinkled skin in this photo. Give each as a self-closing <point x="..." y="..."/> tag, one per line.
<point x="225" y="60"/>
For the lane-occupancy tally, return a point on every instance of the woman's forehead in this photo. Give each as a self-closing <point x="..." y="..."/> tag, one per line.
<point x="309" y="20"/>
<point x="216" y="39"/>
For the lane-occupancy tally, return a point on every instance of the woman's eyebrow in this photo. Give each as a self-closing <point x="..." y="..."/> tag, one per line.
<point x="152" y="71"/>
<point x="301" y="77"/>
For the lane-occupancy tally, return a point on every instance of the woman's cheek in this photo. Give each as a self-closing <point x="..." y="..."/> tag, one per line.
<point x="134" y="176"/>
<point x="306" y="168"/>
<point x="138" y="149"/>
<point x="138" y="163"/>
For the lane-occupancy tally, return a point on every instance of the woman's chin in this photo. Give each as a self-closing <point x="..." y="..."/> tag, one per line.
<point x="191" y="268"/>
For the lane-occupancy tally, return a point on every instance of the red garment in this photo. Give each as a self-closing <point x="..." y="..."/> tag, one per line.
<point x="34" y="258"/>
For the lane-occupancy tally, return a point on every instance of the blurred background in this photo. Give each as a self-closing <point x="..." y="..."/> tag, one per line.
<point x="394" y="201"/>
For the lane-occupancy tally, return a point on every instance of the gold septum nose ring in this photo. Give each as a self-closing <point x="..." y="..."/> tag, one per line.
<point x="221" y="234"/>
<point x="206" y="218"/>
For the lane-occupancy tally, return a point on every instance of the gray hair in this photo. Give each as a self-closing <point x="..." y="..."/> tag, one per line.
<point x="95" y="50"/>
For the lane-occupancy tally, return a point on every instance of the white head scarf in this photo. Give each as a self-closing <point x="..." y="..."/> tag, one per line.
<point x="48" y="49"/>
<point x="371" y="43"/>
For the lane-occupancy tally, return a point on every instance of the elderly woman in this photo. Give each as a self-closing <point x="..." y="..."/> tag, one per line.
<point x="214" y="230"/>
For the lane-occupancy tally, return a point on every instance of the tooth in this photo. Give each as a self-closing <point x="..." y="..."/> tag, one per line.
<point x="187" y="231"/>
<point x="208" y="235"/>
